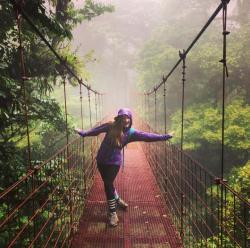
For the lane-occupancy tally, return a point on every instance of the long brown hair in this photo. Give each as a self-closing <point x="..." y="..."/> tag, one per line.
<point x="115" y="132"/>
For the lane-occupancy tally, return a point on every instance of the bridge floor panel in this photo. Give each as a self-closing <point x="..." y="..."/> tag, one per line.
<point x="146" y="222"/>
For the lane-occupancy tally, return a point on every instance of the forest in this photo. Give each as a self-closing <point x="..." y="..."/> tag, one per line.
<point x="126" y="51"/>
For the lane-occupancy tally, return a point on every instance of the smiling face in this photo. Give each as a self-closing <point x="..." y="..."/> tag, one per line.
<point x="126" y="121"/>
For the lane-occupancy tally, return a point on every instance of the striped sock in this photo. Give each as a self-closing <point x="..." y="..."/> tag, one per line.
<point x="116" y="195"/>
<point x="112" y="205"/>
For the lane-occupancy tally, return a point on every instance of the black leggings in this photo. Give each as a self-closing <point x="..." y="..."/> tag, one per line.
<point x="108" y="173"/>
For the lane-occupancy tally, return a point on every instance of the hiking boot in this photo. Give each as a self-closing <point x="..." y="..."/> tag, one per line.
<point x="122" y="204"/>
<point x="113" y="219"/>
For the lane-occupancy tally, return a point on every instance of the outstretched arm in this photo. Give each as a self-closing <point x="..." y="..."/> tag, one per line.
<point x="149" y="137"/>
<point x="94" y="131"/>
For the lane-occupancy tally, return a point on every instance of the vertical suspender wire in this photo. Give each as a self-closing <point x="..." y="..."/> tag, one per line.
<point x="148" y="112"/>
<point x="224" y="74"/>
<point x="145" y="112"/>
<point x="102" y="114"/>
<point x="81" y="106"/>
<point x="91" y="146"/>
<point x="23" y="79"/>
<point x="155" y="112"/>
<point x="142" y="110"/>
<point x="67" y="149"/>
<point x="66" y="113"/>
<point x="96" y="118"/>
<point x="82" y="148"/>
<point x="165" y="131"/>
<point x="90" y="116"/>
<point x="183" y="57"/>
<point x="146" y="118"/>
<point x="155" y="144"/>
<point x="165" y="108"/>
<point x="145" y="107"/>
<point x="99" y="104"/>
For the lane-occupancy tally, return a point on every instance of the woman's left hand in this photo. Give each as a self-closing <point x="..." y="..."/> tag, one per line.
<point x="171" y="133"/>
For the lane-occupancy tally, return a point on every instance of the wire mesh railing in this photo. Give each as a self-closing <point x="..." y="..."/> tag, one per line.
<point x="43" y="208"/>
<point x="205" y="209"/>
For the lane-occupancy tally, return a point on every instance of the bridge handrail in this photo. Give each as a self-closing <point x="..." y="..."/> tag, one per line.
<point x="205" y="209"/>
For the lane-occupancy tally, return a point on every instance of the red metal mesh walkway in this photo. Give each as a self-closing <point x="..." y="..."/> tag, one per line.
<point x="145" y="224"/>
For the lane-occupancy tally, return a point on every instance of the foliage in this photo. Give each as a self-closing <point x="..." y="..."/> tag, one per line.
<point x="46" y="118"/>
<point x="98" y="8"/>
<point x="203" y="123"/>
<point x="203" y="96"/>
<point x="234" y="209"/>
<point x="56" y="25"/>
<point x="239" y="179"/>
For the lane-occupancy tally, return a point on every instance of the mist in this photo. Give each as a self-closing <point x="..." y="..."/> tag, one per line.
<point x="117" y="38"/>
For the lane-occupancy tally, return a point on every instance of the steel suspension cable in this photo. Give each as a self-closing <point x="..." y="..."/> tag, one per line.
<point x="61" y="60"/>
<point x="99" y="104"/>
<point x="81" y="105"/>
<point x="102" y="106"/>
<point x="165" y="131"/>
<point x="165" y="108"/>
<point x="224" y="75"/>
<point x="67" y="147"/>
<point x="24" y="77"/>
<point x="90" y="116"/>
<point x="155" y="112"/>
<point x="66" y="111"/>
<point x="216" y="12"/>
<point x="148" y="112"/>
<point x="95" y="108"/>
<point x="183" y="58"/>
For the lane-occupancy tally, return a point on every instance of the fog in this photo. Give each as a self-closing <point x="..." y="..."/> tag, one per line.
<point x="117" y="38"/>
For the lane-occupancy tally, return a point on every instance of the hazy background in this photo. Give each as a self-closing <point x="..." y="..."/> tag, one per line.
<point x="117" y="38"/>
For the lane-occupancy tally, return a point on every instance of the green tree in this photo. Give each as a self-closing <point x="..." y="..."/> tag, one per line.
<point x="202" y="133"/>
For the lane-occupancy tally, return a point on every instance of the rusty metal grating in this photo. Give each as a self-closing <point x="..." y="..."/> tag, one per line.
<point x="145" y="224"/>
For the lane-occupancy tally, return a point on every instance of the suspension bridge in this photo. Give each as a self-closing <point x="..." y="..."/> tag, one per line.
<point x="173" y="200"/>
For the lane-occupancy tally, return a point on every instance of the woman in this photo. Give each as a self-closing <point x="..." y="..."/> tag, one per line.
<point x="109" y="158"/>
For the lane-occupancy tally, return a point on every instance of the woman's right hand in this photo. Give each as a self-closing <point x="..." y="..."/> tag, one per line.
<point x="77" y="130"/>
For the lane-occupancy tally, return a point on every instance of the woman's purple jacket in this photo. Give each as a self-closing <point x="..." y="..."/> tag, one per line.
<point x="108" y="154"/>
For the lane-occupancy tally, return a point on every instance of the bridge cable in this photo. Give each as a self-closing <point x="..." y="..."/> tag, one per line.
<point x="155" y="110"/>
<point x="190" y="46"/>
<point x="61" y="60"/>
<point x="96" y="118"/>
<point x="99" y="104"/>
<point x="224" y="75"/>
<point x="81" y="105"/>
<point x="66" y="112"/>
<point x="24" y="78"/>
<point x="183" y="58"/>
<point x="148" y="112"/>
<point x="90" y="116"/>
